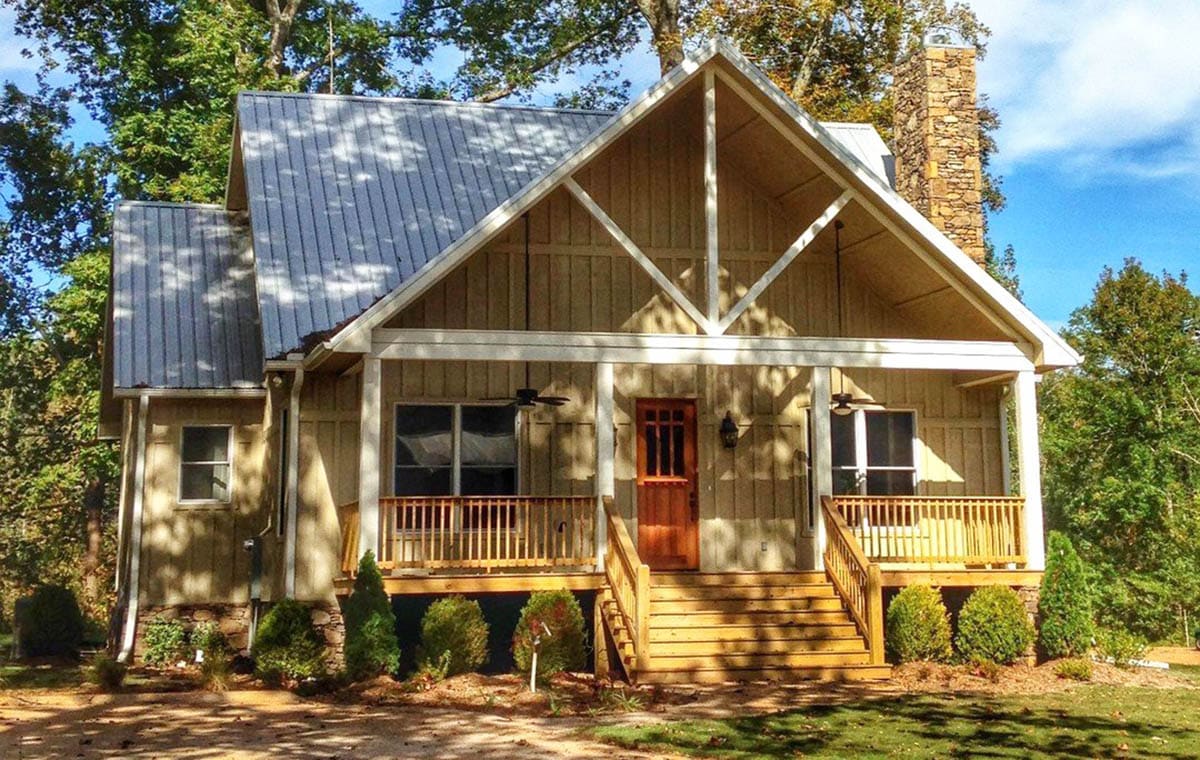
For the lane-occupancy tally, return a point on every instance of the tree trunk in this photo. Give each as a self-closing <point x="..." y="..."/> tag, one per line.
<point x="281" y="19"/>
<point x="93" y="504"/>
<point x="666" y="33"/>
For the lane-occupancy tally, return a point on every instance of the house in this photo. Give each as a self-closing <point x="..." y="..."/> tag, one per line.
<point x="699" y="357"/>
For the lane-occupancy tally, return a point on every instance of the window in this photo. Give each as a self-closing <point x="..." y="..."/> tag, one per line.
<point x="873" y="453"/>
<point x="205" y="463"/>
<point x="451" y="450"/>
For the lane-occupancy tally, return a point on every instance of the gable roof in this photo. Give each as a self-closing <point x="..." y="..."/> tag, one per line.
<point x="837" y="155"/>
<point x="184" y="311"/>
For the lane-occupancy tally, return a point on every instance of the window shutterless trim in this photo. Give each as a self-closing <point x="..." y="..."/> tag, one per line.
<point x="228" y="462"/>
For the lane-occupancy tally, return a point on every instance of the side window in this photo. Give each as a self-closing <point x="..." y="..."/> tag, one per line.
<point x="206" y="463"/>
<point x="873" y="453"/>
<point x="488" y="445"/>
<point x="424" y="450"/>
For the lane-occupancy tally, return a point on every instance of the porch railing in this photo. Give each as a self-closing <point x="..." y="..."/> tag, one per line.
<point x="858" y="580"/>
<point x="936" y="530"/>
<point x="629" y="583"/>
<point x="477" y="532"/>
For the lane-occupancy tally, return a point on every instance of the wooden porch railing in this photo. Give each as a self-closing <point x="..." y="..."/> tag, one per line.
<point x="937" y="530"/>
<point x="629" y="583"/>
<point x="477" y="532"/>
<point x="857" y="580"/>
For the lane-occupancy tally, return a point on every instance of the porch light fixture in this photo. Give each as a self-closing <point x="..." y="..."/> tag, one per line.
<point x="728" y="431"/>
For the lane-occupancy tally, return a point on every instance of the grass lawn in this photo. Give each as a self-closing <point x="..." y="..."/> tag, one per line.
<point x="1091" y="721"/>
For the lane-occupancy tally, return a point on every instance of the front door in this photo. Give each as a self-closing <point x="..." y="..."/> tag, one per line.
<point x="667" y="493"/>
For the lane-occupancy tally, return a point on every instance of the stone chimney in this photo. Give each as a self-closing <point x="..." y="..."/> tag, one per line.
<point x="937" y="141"/>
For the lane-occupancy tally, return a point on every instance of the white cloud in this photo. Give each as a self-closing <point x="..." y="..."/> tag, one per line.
<point x="1096" y="86"/>
<point x="11" y="60"/>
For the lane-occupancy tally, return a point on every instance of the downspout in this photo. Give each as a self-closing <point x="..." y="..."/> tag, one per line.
<point x="126" y="430"/>
<point x="293" y="466"/>
<point x="129" y="630"/>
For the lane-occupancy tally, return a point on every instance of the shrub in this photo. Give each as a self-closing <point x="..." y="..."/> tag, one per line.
<point x="1074" y="668"/>
<point x="165" y="642"/>
<point x="563" y="649"/>
<point x="993" y="627"/>
<point x="1122" y="647"/>
<point x="107" y="673"/>
<point x="454" y="626"/>
<point x="49" y="623"/>
<point x="371" y="644"/>
<point x="207" y="638"/>
<point x="287" y="644"/>
<point x="1064" y="609"/>
<point x="918" y="626"/>
<point x="216" y="672"/>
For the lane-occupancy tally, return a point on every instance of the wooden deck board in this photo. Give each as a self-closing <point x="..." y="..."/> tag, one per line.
<point x="961" y="578"/>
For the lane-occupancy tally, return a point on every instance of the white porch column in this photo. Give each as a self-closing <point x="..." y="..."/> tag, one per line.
<point x="605" y="477"/>
<point x="821" y="456"/>
<point x="292" y="486"/>
<point x="1029" y="468"/>
<point x="368" y="456"/>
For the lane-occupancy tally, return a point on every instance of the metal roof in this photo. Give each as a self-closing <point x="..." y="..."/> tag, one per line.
<point x="865" y="144"/>
<point x="349" y="196"/>
<point x="184" y="309"/>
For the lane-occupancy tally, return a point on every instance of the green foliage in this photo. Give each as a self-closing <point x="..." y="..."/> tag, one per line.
<point x="1064" y="607"/>
<point x="207" y="637"/>
<point x="165" y="642"/>
<point x="993" y="627"/>
<point x="918" y="626"/>
<point x="1074" y="669"/>
<point x="49" y="623"/>
<point x="454" y="626"/>
<point x="287" y="645"/>
<point x="564" y="649"/>
<point x="371" y="644"/>
<point x="216" y="672"/>
<point x="107" y="673"/>
<point x="1122" y="647"/>
<point x="1119" y="436"/>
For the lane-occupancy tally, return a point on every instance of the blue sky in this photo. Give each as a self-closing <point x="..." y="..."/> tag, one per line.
<point x="1099" y="147"/>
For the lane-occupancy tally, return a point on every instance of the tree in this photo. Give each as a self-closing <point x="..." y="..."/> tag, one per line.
<point x="1121" y="441"/>
<point x="1065" y="604"/>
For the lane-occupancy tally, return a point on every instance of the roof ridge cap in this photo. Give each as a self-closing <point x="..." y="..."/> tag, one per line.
<point x="391" y="99"/>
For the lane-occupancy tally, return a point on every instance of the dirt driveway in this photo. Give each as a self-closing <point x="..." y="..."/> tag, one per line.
<point x="273" y="725"/>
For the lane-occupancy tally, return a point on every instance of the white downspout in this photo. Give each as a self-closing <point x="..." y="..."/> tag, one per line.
<point x="126" y="432"/>
<point x="293" y="481"/>
<point x="129" y="630"/>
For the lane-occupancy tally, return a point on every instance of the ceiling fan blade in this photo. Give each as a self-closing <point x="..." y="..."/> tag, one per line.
<point x="496" y="398"/>
<point x="867" y="402"/>
<point x="551" y="400"/>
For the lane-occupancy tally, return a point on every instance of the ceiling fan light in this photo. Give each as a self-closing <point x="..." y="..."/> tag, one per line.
<point x="842" y="406"/>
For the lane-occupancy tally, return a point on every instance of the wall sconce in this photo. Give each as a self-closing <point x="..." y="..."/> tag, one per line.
<point x="728" y="431"/>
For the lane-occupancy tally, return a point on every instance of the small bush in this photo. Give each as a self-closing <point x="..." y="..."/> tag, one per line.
<point x="208" y="639"/>
<point x="993" y="627"/>
<point x="1122" y="647"/>
<point x="918" y="626"/>
<point x="989" y="671"/>
<point x="49" y="623"/>
<point x="287" y="645"/>
<point x="564" y="648"/>
<point x="216" y="672"/>
<point x="107" y="673"/>
<point x="455" y="626"/>
<point x="165" y="642"/>
<point x="1074" y="669"/>
<point x="371" y="644"/>
<point x="1064" y="608"/>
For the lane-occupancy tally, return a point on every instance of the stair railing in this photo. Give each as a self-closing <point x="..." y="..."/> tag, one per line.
<point x="629" y="581"/>
<point x="857" y="580"/>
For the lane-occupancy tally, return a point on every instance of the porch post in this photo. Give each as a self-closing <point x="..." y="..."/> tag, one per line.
<point x="1029" y="469"/>
<point x="605" y="478"/>
<point x="821" y="457"/>
<point x="292" y="486"/>
<point x="368" y="456"/>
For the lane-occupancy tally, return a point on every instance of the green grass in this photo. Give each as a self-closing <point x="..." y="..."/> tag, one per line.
<point x="1091" y="721"/>
<point x="58" y="676"/>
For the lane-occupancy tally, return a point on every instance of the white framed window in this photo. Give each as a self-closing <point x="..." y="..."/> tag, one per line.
<point x="455" y="450"/>
<point x="874" y="452"/>
<point x="206" y="464"/>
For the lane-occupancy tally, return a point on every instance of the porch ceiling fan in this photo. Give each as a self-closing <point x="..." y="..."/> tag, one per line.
<point x="843" y="403"/>
<point x="528" y="397"/>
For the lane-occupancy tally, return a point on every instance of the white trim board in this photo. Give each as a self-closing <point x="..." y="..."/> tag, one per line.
<point x="630" y="348"/>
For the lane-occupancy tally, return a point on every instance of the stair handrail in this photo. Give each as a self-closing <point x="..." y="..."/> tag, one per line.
<point x="629" y="581"/>
<point x="857" y="580"/>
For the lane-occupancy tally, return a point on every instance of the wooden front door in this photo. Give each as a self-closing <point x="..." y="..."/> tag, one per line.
<point x="667" y="491"/>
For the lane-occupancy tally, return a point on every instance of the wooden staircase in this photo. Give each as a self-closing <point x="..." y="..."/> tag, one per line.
<point x="716" y="627"/>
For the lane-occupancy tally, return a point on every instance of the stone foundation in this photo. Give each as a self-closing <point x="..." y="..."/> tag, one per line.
<point x="234" y="621"/>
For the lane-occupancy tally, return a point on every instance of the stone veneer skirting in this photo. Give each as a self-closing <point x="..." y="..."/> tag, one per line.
<point x="234" y="621"/>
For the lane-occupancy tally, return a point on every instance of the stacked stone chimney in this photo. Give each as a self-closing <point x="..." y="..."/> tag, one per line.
<point x="937" y="142"/>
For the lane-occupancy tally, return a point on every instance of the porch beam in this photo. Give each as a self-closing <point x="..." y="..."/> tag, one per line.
<point x="1029" y="468"/>
<point x="368" y="456"/>
<point x="605" y="477"/>
<point x="631" y="248"/>
<point x="705" y="350"/>
<point x="776" y="269"/>
<point x="712" y="250"/>
<point x="821" y="457"/>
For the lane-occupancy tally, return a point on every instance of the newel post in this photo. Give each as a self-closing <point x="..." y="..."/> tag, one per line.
<point x="368" y="456"/>
<point x="875" y="613"/>
<point x="1029" y="469"/>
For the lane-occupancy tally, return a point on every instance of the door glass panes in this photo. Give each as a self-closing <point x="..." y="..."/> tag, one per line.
<point x="664" y="435"/>
<point x="889" y="439"/>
